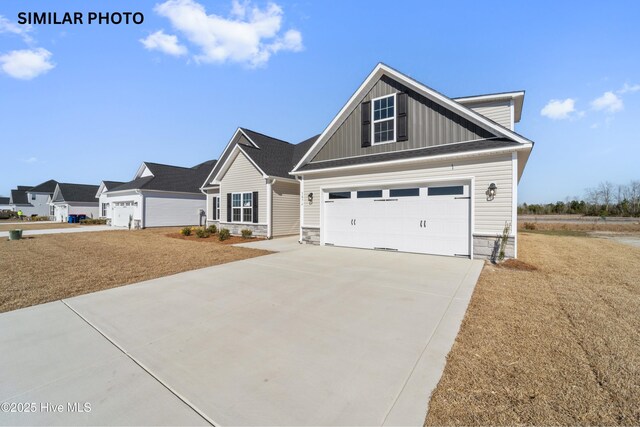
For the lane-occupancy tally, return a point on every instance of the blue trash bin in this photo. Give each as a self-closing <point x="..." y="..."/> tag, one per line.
<point x="72" y="219"/>
<point x="81" y="217"/>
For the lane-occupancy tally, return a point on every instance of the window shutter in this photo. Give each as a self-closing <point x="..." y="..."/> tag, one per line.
<point x="402" y="124"/>
<point x="365" y="108"/>
<point x="215" y="208"/>
<point x="255" y="207"/>
<point x="228" y="207"/>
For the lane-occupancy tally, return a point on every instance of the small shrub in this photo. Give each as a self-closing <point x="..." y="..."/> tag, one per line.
<point x="529" y="226"/>
<point x="39" y="218"/>
<point x="224" y="234"/>
<point x="212" y="229"/>
<point x="186" y="231"/>
<point x="202" y="233"/>
<point x="503" y="240"/>
<point x="246" y="233"/>
<point x="93" y="221"/>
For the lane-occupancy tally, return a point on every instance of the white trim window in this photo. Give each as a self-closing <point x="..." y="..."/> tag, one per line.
<point x="104" y="209"/>
<point x="52" y="210"/>
<point x="217" y="205"/>
<point x="242" y="207"/>
<point x="383" y="114"/>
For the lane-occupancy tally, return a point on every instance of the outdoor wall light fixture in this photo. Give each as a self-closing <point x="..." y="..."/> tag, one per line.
<point x="310" y="197"/>
<point x="491" y="192"/>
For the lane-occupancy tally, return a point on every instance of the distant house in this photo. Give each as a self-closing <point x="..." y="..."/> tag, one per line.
<point x="19" y="201"/>
<point x="103" y="203"/>
<point x="39" y="197"/>
<point x="251" y="188"/>
<point x="159" y="196"/>
<point x="74" y="199"/>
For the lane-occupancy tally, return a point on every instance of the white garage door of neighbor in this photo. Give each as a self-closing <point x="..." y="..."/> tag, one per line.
<point x="431" y="219"/>
<point x="121" y="215"/>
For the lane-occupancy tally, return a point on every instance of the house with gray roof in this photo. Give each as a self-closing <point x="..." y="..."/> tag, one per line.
<point x="401" y="167"/>
<point x="74" y="199"/>
<point x="251" y="188"/>
<point x="158" y="196"/>
<point x="5" y="203"/>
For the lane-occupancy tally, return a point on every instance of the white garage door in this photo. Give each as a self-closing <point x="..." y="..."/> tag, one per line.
<point x="431" y="219"/>
<point x="121" y="214"/>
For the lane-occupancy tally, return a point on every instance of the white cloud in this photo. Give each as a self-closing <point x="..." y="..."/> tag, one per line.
<point x="26" y="64"/>
<point x="164" y="43"/>
<point x="7" y="26"/>
<point x="608" y="102"/>
<point x="627" y="88"/>
<point x="250" y="35"/>
<point x="559" y="109"/>
<point x="32" y="160"/>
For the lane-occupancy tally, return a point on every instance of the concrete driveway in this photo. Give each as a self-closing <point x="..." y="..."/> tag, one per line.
<point x="308" y="336"/>
<point x="79" y="229"/>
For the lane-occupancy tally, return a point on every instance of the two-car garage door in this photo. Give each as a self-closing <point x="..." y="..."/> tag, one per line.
<point x="431" y="219"/>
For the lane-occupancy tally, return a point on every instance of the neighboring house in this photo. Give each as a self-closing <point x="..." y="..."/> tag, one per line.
<point x="74" y="199"/>
<point x="105" y="210"/>
<point x="403" y="167"/>
<point x="250" y="187"/>
<point x="39" y="197"/>
<point x="158" y="196"/>
<point x="19" y="201"/>
<point x="5" y="203"/>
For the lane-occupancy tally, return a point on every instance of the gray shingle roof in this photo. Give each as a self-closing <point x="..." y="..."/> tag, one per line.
<point x="274" y="156"/>
<point x="170" y="178"/>
<point x="423" y="152"/>
<point x="4" y="200"/>
<point x="112" y="184"/>
<point x="19" y="196"/>
<point x="45" y="187"/>
<point x="77" y="193"/>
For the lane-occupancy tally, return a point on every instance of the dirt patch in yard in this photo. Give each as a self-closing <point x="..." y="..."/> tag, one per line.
<point x="26" y="225"/>
<point x="559" y="345"/>
<point x="46" y="268"/>
<point x="576" y="228"/>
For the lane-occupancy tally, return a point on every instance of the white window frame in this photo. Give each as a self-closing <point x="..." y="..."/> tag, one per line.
<point x="104" y="208"/>
<point x="216" y="214"/>
<point x="395" y="120"/>
<point x="242" y="208"/>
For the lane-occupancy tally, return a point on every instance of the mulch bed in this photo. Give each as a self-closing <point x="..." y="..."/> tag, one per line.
<point x="214" y="239"/>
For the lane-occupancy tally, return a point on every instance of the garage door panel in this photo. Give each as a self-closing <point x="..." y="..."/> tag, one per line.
<point x="121" y="215"/>
<point x="433" y="224"/>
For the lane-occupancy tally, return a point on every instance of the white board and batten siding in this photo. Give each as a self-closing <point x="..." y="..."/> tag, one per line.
<point x="286" y="208"/>
<point x="243" y="177"/>
<point x="172" y="209"/>
<point x="489" y="216"/>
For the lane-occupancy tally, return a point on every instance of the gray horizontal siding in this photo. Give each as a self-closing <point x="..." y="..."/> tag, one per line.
<point x="239" y="139"/>
<point x="429" y="124"/>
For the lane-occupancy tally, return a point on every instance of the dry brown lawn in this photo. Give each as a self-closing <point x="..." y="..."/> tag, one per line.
<point x="586" y="227"/>
<point x="35" y="225"/>
<point x="556" y="344"/>
<point x="45" y="268"/>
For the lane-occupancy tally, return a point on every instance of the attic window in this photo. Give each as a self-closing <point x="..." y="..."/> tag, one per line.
<point x="384" y="119"/>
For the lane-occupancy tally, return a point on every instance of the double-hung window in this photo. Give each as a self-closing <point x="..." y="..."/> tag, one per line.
<point x="384" y="119"/>
<point x="242" y="207"/>
<point x="104" y="209"/>
<point x="217" y="206"/>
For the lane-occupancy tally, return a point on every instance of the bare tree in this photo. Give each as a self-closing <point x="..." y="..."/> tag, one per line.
<point x="606" y="190"/>
<point x="632" y="194"/>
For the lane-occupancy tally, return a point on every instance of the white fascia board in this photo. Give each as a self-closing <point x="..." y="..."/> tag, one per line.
<point x="143" y="190"/>
<point x="516" y="97"/>
<point x="378" y="72"/>
<point x="428" y="159"/>
<point x="101" y="189"/>
<point x="232" y="157"/>
<point x="209" y="179"/>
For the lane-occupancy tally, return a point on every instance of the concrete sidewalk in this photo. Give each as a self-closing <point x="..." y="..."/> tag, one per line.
<point x="310" y="336"/>
<point x="79" y="229"/>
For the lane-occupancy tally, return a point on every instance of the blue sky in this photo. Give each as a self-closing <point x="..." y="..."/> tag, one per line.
<point x="91" y="102"/>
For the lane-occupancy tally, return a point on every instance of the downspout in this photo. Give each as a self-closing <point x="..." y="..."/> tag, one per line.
<point x="301" y="179"/>
<point x="270" y="182"/>
<point x="142" y="218"/>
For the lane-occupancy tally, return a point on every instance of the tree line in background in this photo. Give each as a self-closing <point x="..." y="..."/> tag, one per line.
<point x="607" y="199"/>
